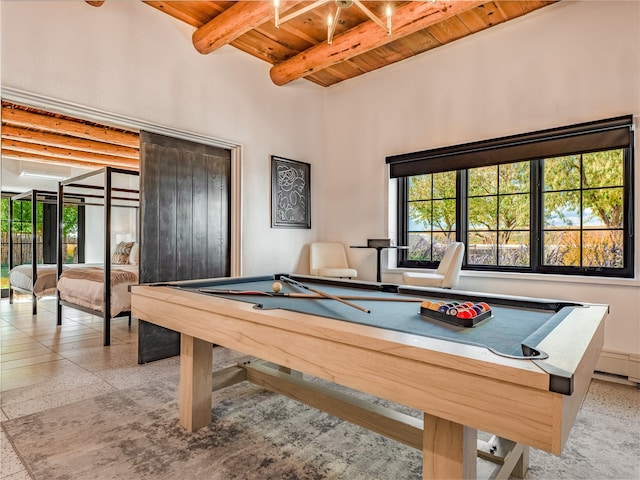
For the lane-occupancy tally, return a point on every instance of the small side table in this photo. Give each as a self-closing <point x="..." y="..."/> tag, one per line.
<point x="379" y="255"/>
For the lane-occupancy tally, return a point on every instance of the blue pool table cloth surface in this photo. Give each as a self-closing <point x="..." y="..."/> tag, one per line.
<point x="504" y="333"/>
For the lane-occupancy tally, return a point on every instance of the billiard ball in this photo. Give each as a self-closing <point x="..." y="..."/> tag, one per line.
<point x="467" y="313"/>
<point x="485" y="306"/>
<point x="445" y="307"/>
<point x="277" y="286"/>
<point x="435" y="306"/>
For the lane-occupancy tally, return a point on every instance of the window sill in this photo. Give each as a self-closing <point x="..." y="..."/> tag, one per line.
<point x="535" y="277"/>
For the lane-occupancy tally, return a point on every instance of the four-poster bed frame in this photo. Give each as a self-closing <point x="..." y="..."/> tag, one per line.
<point x="100" y="192"/>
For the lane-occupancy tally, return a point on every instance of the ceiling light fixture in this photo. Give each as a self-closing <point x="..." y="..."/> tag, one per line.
<point x="49" y="176"/>
<point x="332" y="20"/>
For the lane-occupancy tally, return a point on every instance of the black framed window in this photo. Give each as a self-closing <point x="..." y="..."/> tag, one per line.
<point x="499" y="215"/>
<point x="23" y="230"/>
<point x="555" y="201"/>
<point x="73" y="233"/>
<point x="584" y="203"/>
<point x="4" y="240"/>
<point x="431" y="215"/>
<point x="45" y="233"/>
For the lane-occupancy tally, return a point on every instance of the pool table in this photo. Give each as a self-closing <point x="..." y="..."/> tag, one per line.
<point x="520" y="374"/>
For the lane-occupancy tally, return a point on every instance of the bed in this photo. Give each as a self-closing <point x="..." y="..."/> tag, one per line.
<point x="84" y="287"/>
<point x="39" y="279"/>
<point x="21" y="279"/>
<point x="103" y="289"/>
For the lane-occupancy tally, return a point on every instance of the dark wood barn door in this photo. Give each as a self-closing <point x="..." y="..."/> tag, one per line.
<point x="185" y="229"/>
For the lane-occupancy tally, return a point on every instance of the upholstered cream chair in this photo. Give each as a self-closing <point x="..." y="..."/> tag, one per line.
<point x="329" y="259"/>
<point x="447" y="274"/>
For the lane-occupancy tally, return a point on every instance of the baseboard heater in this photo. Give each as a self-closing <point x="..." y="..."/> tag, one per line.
<point x="622" y="365"/>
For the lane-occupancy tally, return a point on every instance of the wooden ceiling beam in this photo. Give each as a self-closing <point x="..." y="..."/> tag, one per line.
<point x="195" y="14"/>
<point x="235" y="21"/>
<point x="63" y="153"/>
<point x="367" y="36"/>
<point x="22" y="118"/>
<point x="95" y="3"/>
<point x="64" y="162"/>
<point x="71" y="143"/>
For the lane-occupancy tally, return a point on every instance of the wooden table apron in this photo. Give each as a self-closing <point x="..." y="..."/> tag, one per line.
<point x="459" y="387"/>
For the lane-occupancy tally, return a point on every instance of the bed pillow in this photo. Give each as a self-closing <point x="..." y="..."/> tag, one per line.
<point x="121" y="253"/>
<point x="134" y="256"/>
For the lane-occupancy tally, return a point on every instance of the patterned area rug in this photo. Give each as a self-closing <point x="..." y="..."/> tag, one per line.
<point x="257" y="435"/>
<point x="135" y="434"/>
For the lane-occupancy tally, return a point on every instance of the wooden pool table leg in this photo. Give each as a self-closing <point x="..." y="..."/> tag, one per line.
<point x="520" y="470"/>
<point x="449" y="450"/>
<point x="195" y="382"/>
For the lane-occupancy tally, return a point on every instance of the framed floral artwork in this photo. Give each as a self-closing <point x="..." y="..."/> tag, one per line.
<point x="290" y="193"/>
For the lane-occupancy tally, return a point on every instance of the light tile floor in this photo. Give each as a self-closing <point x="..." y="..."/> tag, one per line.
<point x="44" y="366"/>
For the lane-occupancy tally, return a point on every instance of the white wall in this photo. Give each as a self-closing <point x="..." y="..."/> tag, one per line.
<point x="123" y="222"/>
<point x="543" y="70"/>
<point x="130" y="59"/>
<point x="94" y="234"/>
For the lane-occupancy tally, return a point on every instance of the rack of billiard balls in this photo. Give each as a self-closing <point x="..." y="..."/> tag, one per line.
<point x="463" y="314"/>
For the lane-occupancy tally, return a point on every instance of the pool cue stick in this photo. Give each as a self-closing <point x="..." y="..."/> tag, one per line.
<point x="324" y="294"/>
<point x="348" y="297"/>
<point x="306" y="295"/>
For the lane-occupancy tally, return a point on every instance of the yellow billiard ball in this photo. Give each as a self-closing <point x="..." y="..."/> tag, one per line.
<point x="277" y="286"/>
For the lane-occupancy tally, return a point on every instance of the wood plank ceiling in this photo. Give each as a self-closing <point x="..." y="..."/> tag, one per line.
<point x="298" y="48"/>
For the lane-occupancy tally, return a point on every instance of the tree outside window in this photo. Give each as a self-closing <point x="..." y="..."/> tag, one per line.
<point x="558" y="215"/>
<point x="22" y="230"/>
<point x="431" y="215"/>
<point x="499" y="215"/>
<point x="584" y="209"/>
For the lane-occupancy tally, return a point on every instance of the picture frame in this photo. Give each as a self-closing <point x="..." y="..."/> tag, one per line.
<point x="290" y="193"/>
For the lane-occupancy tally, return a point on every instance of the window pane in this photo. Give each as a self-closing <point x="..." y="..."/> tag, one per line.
<point x="562" y="173"/>
<point x="483" y="181"/>
<point x="514" y="212"/>
<point x="603" y="169"/>
<point x="482" y="248"/>
<point x="444" y="185"/>
<point x="22" y="230"/>
<point x="70" y="234"/>
<point x="483" y="213"/>
<point x="420" y="187"/>
<point x="39" y="233"/>
<point x="431" y="209"/>
<point x="603" y="249"/>
<point x="419" y="247"/>
<point x="514" y="177"/>
<point x="4" y="243"/>
<point x="514" y="249"/>
<point x="562" y="248"/>
<point x="419" y="216"/>
<point x="441" y="241"/>
<point x="561" y="209"/>
<point x="70" y="218"/>
<point x="444" y="215"/>
<point x="603" y="208"/>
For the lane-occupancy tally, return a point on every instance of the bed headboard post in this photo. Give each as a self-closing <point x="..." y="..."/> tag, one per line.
<point x="106" y="305"/>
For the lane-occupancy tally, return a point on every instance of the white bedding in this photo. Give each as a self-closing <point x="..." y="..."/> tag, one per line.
<point x="89" y="292"/>
<point x="21" y="277"/>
